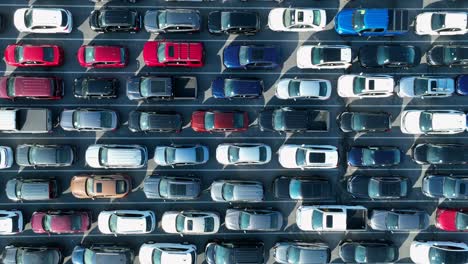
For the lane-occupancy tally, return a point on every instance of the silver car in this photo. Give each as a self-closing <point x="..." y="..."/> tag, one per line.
<point x="289" y="88"/>
<point x="399" y="220"/>
<point x="172" y="20"/>
<point x="174" y="188"/>
<point x="88" y="120"/>
<point x="253" y="220"/>
<point x="236" y="191"/>
<point x="301" y="253"/>
<point x="178" y="155"/>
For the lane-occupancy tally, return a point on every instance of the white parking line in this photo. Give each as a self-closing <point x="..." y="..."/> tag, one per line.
<point x="157" y="169"/>
<point x="150" y="202"/>
<point x="202" y="105"/>
<point x="313" y="72"/>
<point x="283" y="136"/>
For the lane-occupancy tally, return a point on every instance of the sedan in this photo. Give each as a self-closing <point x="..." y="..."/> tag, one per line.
<point x="12" y="222"/>
<point x="389" y="56"/>
<point x="126" y="222"/>
<point x="243" y="154"/>
<point x="365" y="122"/>
<point x="235" y="252"/>
<point x="251" y="57"/>
<point x="236" y="191"/>
<point x="143" y="121"/>
<point x="172" y="188"/>
<point x="96" y="254"/>
<point x="60" y="222"/>
<point x="324" y="57"/>
<point x="302" y="188"/>
<point x="374" y="156"/>
<point x="308" y="156"/>
<point x="112" y="186"/>
<point x="453" y="55"/>
<point x="365" y="86"/>
<point x="418" y="122"/>
<point x="20" y="55"/>
<point x="402" y="220"/>
<point x="301" y="253"/>
<point x="172" y="21"/>
<point x="180" y="155"/>
<point x="441" y="23"/>
<point x="155" y="253"/>
<point x="86" y="119"/>
<point x="233" y="22"/>
<point x="293" y="120"/>
<point x="448" y="219"/>
<point x="116" y="156"/>
<point x="230" y="88"/>
<point x="253" y="220"/>
<point x="375" y="187"/>
<point x="102" y="56"/>
<point x="43" y="20"/>
<point x="296" y="88"/>
<point x="44" y="155"/>
<point x="440" y="154"/>
<point x="190" y="222"/>
<point x="220" y="121"/>
<point x="37" y="255"/>
<point x="440" y="186"/>
<point x="436" y="252"/>
<point x="6" y="157"/>
<point x="368" y="252"/>
<point x="95" y="88"/>
<point x="426" y="86"/>
<point x="297" y="19"/>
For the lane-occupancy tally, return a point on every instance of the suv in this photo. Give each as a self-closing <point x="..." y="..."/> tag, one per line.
<point x="142" y="121"/>
<point x="92" y="87"/>
<point x="44" y="155"/>
<point x="12" y="87"/>
<point x="115" y="20"/>
<point x="18" y="189"/>
<point x="116" y="156"/>
<point x="162" y="53"/>
<point x="172" y="20"/>
<point x="235" y="252"/>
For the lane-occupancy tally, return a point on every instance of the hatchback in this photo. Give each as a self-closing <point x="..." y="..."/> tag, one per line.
<point x="60" y="222"/>
<point x="43" y="20"/>
<point x="115" y="20"/>
<point x="301" y="253"/>
<point x="19" y="189"/>
<point x="94" y="254"/>
<point x="112" y="186"/>
<point x="153" y="253"/>
<point x="21" y="55"/>
<point x="378" y="187"/>
<point x="374" y="156"/>
<point x="172" y="188"/>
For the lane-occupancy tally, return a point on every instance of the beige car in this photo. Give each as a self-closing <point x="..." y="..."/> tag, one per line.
<point x="100" y="186"/>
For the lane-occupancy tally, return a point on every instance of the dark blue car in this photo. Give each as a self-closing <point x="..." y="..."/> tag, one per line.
<point x="462" y="84"/>
<point x="236" y="87"/>
<point x="374" y="156"/>
<point x="251" y="57"/>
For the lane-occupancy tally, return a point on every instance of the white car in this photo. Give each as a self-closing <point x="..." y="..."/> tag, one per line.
<point x="432" y="122"/>
<point x="126" y="222"/>
<point x="441" y="23"/>
<point x="297" y="20"/>
<point x="43" y="20"/>
<point x="190" y="222"/>
<point x="116" y="156"/>
<point x="243" y="154"/>
<point x="11" y="222"/>
<point x="6" y="157"/>
<point x="174" y="253"/>
<point x="426" y="86"/>
<point x="308" y="156"/>
<point x="324" y="57"/>
<point x="363" y="86"/>
<point x="424" y="252"/>
<point x="294" y="88"/>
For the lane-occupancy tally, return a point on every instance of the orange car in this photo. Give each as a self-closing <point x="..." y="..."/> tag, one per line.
<point x="100" y="186"/>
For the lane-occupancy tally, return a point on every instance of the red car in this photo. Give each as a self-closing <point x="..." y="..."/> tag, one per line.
<point x="60" y="222"/>
<point x="218" y="121"/>
<point x="20" y="55"/>
<point x="12" y="87"/>
<point x="452" y="219"/>
<point x="102" y="56"/>
<point x="177" y="54"/>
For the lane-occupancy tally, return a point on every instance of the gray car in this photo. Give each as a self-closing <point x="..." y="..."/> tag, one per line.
<point x="301" y="253"/>
<point x="253" y="220"/>
<point x="406" y="220"/>
<point x="172" y="20"/>
<point x="236" y="191"/>
<point x="37" y="255"/>
<point x="88" y="120"/>
<point x="174" y="188"/>
<point x="18" y="189"/>
<point x="44" y="155"/>
<point x="179" y="155"/>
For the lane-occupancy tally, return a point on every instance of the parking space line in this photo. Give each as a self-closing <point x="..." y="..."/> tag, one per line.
<point x="286" y="104"/>
<point x="318" y="72"/>
<point x="159" y="169"/>
<point x="182" y="137"/>
<point x="150" y="202"/>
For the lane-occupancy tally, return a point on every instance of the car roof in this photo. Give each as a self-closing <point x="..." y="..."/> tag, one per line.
<point x="118" y="17"/>
<point x="182" y="17"/>
<point x="46" y="17"/>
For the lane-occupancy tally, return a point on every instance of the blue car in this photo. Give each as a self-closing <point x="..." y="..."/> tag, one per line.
<point x="251" y="57"/>
<point x="462" y="84"/>
<point x="236" y="88"/>
<point x="374" y="156"/>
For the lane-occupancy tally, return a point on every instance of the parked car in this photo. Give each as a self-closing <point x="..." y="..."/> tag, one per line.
<point x="243" y="153"/>
<point x="297" y="88"/>
<point x="89" y="119"/>
<point x="143" y="121"/>
<point x="172" y="21"/>
<point x="294" y="120"/>
<point x="376" y="187"/>
<point x="102" y="56"/>
<point x="116" y="156"/>
<point x="232" y="87"/>
<point x="406" y="220"/>
<point x="25" y="254"/>
<point x="60" y="222"/>
<point x="253" y="220"/>
<point x="220" y="121"/>
<point x="43" y="20"/>
<point x="236" y="191"/>
<point x="233" y="22"/>
<point x="27" y="87"/>
<point x="297" y="19"/>
<point x="190" y="222"/>
<point x="308" y="156"/>
<point x="126" y="222"/>
<point x="153" y="253"/>
<point x="374" y="156"/>
<point x="44" y="155"/>
<point x="12" y="222"/>
<point x="389" y="56"/>
<point x="112" y="186"/>
<point x="172" y="188"/>
<point x="452" y="55"/>
<point x="441" y="23"/>
<point x="302" y="188"/>
<point x="450" y="219"/>
<point x="6" y="157"/>
<point x="95" y="87"/>
<point x="163" y="53"/>
<point x="94" y="254"/>
<point x="365" y="86"/>
<point x="426" y="86"/>
<point x="444" y="186"/>
<point x="368" y="251"/>
<point x="439" y="154"/>
<point x="19" y="189"/>
<point x="180" y="155"/>
<point x="433" y="122"/>
<point x="461" y="86"/>
<point x="301" y="253"/>
<point x="235" y="252"/>
<point x="324" y="57"/>
<point x="115" y="20"/>
<point x="422" y="252"/>
<point x="22" y="55"/>
<point x="365" y="122"/>
<point x="251" y="57"/>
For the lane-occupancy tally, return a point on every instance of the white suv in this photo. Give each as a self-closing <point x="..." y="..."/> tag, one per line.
<point x="126" y="222"/>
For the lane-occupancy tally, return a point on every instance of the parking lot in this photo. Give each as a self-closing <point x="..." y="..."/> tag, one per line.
<point x="212" y="170"/>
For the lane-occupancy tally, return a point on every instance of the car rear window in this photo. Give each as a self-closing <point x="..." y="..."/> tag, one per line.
<point x="89" y="54"/>
<point x="317" y="18"/>
<point x="11" y="87"/>
<point x="19" y="55"/>
<point x="263" y="153"/>
<point x="64" y="21"/>
<point x="238" y="120"/>
<point x="28" y="18"/>
<point x="48" y="54"/>
<point x="209" y="224"/>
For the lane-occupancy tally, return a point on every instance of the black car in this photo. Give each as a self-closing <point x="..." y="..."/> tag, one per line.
<point x="44" y="155"/>
<point x="374" y="156"/>
<point x="37" y="255"/>
<point x="142" y="121"/>
<point x="293" y="120"/>
<point x="440" y="154"/>
<point x="389" y="56"/>
<point x="97" y="254"/>
<point x="365" y="122"/>
<point x="236" y="88"/>
<point x="453" y="55"/>
<point x="235" y="252"/>
<point x="126" y="1"/>
<point x="440" y="186"/>
<point x="233" y="22"/>
<point x="375" y="187"/>
<point x="95" y="88"/>
<point x="368" y="252"/>
<point x="115" y="20"/>
<point x="172" y="20"/>
<point x="301" y="188"/>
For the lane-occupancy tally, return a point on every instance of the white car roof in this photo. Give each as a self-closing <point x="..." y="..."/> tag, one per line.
<point x="46" y="17"/>
<point x="7" y="119"/>
<point x="131" y="224"/>
<point x="6" y="225"/>
<point x="249" y="154"/>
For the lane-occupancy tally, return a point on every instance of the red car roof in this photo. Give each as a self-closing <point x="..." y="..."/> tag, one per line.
<point x="445" y="219"/>
<point x="191" y="54"/>
<point x="60" y="223"/>
<point x="222" y="120"/>
<point x="107" y="54"/>
<point x="28" y="86"/>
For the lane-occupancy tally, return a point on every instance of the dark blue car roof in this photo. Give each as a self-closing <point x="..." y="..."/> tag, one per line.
<point x="247" y="86"/>
<point x="462" y="84"/>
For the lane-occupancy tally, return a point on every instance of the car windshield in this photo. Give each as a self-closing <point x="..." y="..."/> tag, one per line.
<point x="383" y="55"/>
<point x="113" y="223"/>
<point x="317" y="55"/>
<point x="301" y="155"/>
<point x="294" y="254"/>
<point x="392" y="221"/>
<point x="295" y="189"/>
<point x="359" y="84"/>
<point x="11" y="87"/>
<point x="317" y="18"/>
<point x="180" y="223"/>
<point x="437" y="21"/>
<point x="288" y="17"/>
<point x="164" y="187"/>
<point x="89" y="54"/>
<point x="229" y="86"/>
<point x="420" y="86"/>
<point x="439" y="154"/>
<point x="360" y="254"/>
<point x="144" y="121"/>
<point x="228" y="192"/>
<point x="374" y="188"/>
<point x="222" y="255"/>
<point x="440" y="256"/>
<point x="145" y="87"/>
<point x="28" y="18"/>
<point x="238" y="120"/>
<point x="293" y="88"/>
<point x="89" y="256"/>
<point x="425" y="122"/>
<point x="162" y="19"/>
<point x="162" y="52"/>
<point x="317" y="220"/>
<point x="46" y="222"/>
<point x="358" y="19"/>
<point x="89" y="186"/>
<point x="19" y="55"/>
<point x="209" y="224"/>
<point x="103" y="156"/>
<point x="368" y="157"/>
<point x="278" y="120"/>
<point x="209" y="121"/>
<point x="360" y="122"/>
<point x="233" y="153"/>
<point x="157" y="256"/>
<point x="244" y="55"/>
<point x="461" y="221"/>
<point x="170" y="155"/>
<point x="449" y="188"/>
<point x="450" y="55"/>
<point x="244" y="221"/>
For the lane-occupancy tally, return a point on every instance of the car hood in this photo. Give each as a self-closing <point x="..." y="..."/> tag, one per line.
<point x="78" y="255"/>
<point x="214" y="22"/>
<point x="422" y="23"/>
<point x="275" y="19"/>
<point x="18" y="19"/>
<point x="346" y="122"/>
<point x="265" y="120"/>
<point x="217" y="88"/>
<point x="232" y="219"/>
<point x="92" y="156"/>
<point x="151" y="20"/>
<point x="222" y="155"/>
<point x="78" y="186"/>
<point x="446" y="219"/>
<point x="168" y="222"/>
<point x="281" y="253"/>
<point x="406" y="86"/>
<point x="231" y="56"/>
<point x="368" y="56"/>
<point x="344" y="21"/>
<point x="287" y="156"/>
<point x="198" y="121"/>
<point x="216" y="191"/>
<point x="36" y="222"/>
<point x="134" y="121"/>
<point x="66" y="119"/>
<point x="419" y="252"/>
<point x="151" y="188"/>
<point x="133" y="88"/>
